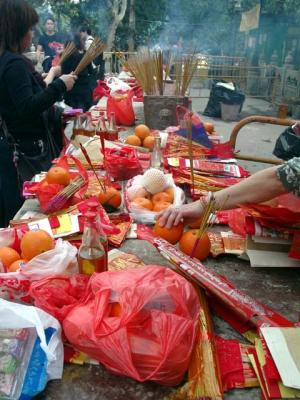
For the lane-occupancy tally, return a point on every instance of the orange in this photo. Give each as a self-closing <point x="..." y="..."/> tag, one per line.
<point x="8" y="256"/>
<point x="161" y="196"/>
<point x="34" y="243"/>
<point x="15" y="266"/>
<point x="209" y="127"/>
<point x="195" y="224"/>
<point x="58" y="175"/>
<point x="144" y="203"/>
<point x="111" y="197"/>
<point x="133" y="140"/>
<point x="170" y="192"/>
<point x="172" y="235"/>
<point x="142" y="131"/>
<point x="188" y="240"/>
<point x="161" y="205"/>
<point x="149" y="142"/>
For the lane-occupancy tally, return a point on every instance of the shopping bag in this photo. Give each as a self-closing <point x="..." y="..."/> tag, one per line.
<point x="141" y="323"/>
<point x="18" y="316"/>
<point x="120" y="103"/>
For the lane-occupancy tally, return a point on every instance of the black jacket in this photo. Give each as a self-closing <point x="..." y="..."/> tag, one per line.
<point x="81" y="96"/>
<point x="24" y="97"/>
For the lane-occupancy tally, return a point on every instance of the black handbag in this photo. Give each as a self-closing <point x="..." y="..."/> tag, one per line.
<point x="287" y="145"/>
<point x="33" y="159"/>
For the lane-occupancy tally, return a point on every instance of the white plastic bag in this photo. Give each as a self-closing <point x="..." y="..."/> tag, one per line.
<point x="18" y="316"/>
<point x="116" y="84"/>
<point x="144" y="216"/>
<point x="61" y="260"/>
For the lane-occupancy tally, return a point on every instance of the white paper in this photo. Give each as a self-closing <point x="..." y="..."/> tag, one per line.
<point x="281" y="354"/>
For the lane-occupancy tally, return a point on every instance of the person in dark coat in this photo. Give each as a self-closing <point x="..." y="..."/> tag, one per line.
<point x="25" y="102"/>
<point x="81" y="96"/>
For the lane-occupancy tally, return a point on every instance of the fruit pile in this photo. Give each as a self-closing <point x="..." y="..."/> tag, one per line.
<point x="142" y="137"/>
<point x="32" y="244"/>
<point x="152" y="192"/>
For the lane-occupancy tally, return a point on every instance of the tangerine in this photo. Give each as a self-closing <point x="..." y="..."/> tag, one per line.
<point x="142" y="131"/>
<point x="209" y="127"/>
<point x="172" y="235"/>
<point x="111" y="197"/>
<point x="15" y="266"/>
<point x="8" y="256"/>
<point x="133" y="140"/>
<point x="170" y="192"/>
<point x="144" y="203"/>
<point x="34" y="243"/>
<point x="195" y="223"/>
<point x="58" y="175"/>
<point x="161" y="205"/>
<point x="161" y="196"/>
<point x="187" y="242"/>
<point x="149" y="142"/>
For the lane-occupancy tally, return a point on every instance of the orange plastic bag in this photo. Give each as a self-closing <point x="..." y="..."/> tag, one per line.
<point x="141" y="323"/>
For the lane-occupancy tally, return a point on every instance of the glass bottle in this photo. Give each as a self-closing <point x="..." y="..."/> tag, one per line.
<point x="112" y="127"/>
<point x="90" y="128"/>
<point x="77" y="127"/>
<point x="94" y="207"/>
<point x="156" y="156"/>
<point x="91" y="256"/>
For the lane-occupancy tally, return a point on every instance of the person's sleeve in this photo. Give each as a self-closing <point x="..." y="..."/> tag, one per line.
<point x="41" y="42"/>
<point x="289" y="175"/>
<point x="27" y="103"/>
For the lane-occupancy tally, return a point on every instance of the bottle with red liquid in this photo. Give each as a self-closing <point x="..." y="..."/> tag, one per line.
<point x="94" y="207"/>
<point x="91" y="255"/>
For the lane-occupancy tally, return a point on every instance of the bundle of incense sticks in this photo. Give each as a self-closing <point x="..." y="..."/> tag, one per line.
<point x="204" y="376"/>
<point x="178" y="146"/>
<point x="184" y="71"/>
<point x="59" y="200"/>
<point x="96" y="48"/>
<point x="87" y="157"/>
<point x="68" y="51"/>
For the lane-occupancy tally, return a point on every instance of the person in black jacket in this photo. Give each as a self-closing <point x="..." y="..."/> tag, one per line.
<point x="25" y="101"/>
<point x="81" y="96"/>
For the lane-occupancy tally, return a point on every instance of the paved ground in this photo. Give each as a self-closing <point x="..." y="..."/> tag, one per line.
<point x="276" y="288"/>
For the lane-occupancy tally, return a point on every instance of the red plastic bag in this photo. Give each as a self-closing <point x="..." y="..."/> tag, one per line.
<point x="120" y="103"/>
<point x="58" y="294"/>
<point x="101" y="90"/>
<point x="122" y="164"/>
<point x="141" y="323"/>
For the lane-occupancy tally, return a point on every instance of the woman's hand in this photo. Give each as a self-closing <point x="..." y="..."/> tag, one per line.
<point x="56" y="71"/>
<point x="68" y="80"/>
<point x="173" y="215"/>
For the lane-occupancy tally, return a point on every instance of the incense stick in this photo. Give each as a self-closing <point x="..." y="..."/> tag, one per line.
<point x="68" y="51"/>
<point x="190" y="138"/>
<point x="87" y="157"/>
<point x="96" y="48"/>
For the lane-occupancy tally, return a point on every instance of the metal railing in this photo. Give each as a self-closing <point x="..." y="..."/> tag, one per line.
<point x="264" y="81"/>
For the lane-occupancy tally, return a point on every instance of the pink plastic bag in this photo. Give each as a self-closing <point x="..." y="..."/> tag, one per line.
<point x="141" y="323"/>
<point x="120" y="103"/>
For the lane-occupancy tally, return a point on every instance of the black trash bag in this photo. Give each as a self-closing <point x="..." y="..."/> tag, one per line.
<point x="287" y="145"/>
<point x="220" y="94"/>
